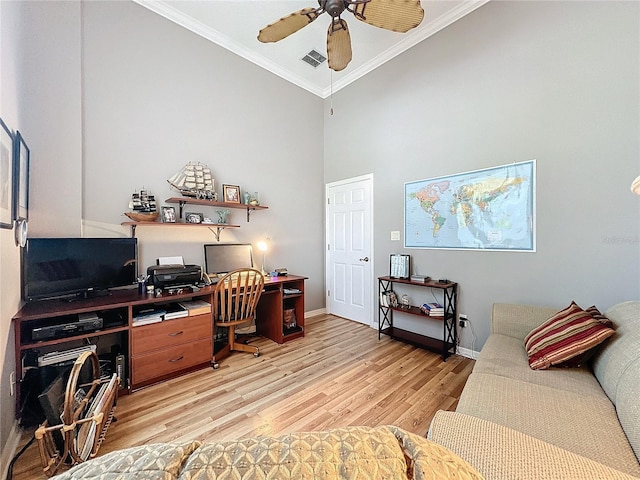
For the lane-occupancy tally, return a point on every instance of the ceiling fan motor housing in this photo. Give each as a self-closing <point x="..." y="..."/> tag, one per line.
<point x="335" y="7"/>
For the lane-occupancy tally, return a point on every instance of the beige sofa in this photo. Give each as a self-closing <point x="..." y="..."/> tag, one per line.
<point x="513" y="422"/>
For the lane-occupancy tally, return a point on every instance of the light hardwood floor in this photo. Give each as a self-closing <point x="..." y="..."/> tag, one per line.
<point x="339" y="374"/>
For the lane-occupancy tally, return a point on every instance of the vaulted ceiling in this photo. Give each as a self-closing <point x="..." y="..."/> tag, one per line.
<point x="234" y="25"/>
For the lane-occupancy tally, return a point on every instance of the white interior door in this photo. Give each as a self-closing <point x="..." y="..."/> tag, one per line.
<point x="350" y="248"/>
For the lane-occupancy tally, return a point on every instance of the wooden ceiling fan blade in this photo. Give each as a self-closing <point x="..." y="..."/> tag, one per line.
<point x="338" y="45"/>
<point x="287" y="25"/>
<point x="396" y="15"/>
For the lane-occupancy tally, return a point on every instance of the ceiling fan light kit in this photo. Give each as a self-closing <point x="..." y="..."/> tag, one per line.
<point x="395" y="15"/>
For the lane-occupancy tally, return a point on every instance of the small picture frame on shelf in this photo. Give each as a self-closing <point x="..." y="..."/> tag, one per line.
<point x="169" y="214"/>
<point x="193" y="217"/>
<point x="231" y="193"/>
<point x="399" y="265"/>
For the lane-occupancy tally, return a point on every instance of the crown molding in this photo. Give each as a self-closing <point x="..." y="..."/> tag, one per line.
<point x="411" y="39"/>
<point x="414" y="37"/>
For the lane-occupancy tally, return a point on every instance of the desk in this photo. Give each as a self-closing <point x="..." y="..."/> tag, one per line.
<point x="270" y="314"/>
<point x="158" y="351"/>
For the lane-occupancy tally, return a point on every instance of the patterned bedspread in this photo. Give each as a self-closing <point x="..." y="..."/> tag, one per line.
<point x="363" y="453"/>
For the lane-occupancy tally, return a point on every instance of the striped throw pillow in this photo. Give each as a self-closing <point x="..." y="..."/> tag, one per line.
<point x="567" y="334"/>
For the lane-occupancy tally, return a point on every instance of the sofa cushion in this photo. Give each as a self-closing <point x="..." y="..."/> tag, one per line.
<point x="505" y="356"/>
<point x="502" y="453"/>
<point x="584" y="424"/>
<point x="567" y="334"/>
<point x="621" y="350"/>
<point x="628" y="404"/>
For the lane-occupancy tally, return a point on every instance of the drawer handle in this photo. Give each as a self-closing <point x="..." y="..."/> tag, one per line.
<point x="174" y="360"/>
<point x="175" y="334"/>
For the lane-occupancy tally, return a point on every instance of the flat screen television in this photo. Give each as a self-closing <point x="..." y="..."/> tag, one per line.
<point x="226" y="257"/>
<point x="77" y="267"/>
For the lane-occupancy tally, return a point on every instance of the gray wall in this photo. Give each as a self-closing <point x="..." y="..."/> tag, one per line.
<point x="554" y="81"/>
<point x="111" y="98"/>
<point x="156" y="96"/>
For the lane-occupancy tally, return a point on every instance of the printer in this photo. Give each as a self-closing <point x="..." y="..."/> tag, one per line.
<point x="173" y="276"/>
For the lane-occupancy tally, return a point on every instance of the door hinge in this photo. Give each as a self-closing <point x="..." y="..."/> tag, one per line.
<point x="328" y="293"/>
<point x="328" y="246"/>
<point x="328" y="201"/>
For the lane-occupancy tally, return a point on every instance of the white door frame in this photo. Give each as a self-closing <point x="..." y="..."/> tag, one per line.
<point x="374" y="295"/>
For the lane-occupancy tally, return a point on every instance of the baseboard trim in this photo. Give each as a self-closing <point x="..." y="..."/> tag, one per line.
<point x="313" y="313"/>
<point x="10" y="448"/>
<point x="467" y="352"/>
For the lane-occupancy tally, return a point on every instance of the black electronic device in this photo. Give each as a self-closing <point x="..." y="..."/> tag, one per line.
<point x="66" y="329"/>
<point x="226" y="257"/>
<point x="172" y="276"/>
<point x="64" y="267"/>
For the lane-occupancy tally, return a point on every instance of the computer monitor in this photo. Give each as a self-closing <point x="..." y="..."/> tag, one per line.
<point x="225" y="257"/>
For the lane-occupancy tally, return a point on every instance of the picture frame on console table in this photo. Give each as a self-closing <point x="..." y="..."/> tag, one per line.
<point x="399" y="266"/>
<point x="6" y="177"/>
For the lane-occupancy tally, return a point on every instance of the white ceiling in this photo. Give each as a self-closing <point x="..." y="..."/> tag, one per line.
<point x="234" y="25"/>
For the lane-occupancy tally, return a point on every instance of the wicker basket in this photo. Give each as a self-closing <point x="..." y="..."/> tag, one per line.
<point x="143" y="217"/>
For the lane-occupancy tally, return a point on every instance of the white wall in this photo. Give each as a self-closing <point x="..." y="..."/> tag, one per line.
<point x="40" y="96"/>
<point x="554" y="81"/>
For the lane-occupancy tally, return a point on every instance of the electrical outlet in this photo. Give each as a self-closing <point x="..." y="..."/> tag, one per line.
<point x="12" y="384"/>
<point x="463" y="323"/>
<point x="395" y="235"/>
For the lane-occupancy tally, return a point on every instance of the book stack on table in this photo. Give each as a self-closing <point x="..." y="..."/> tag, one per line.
<point x="433" y="309"/>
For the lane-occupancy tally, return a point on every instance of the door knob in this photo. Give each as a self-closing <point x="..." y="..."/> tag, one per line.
<point x="365" y="259"/>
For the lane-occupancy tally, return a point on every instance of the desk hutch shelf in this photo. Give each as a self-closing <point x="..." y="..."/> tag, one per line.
<point x="445" y="345"/>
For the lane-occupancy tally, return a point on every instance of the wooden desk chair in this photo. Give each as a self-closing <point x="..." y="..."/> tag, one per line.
<point x="235" y="301"/>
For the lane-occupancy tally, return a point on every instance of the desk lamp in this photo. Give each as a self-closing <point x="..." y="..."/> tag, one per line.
<point x="262" y="246"/>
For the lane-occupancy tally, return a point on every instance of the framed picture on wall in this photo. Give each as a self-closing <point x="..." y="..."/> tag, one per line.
<point x="6" y="177"/>
<point x="21" y="182"/>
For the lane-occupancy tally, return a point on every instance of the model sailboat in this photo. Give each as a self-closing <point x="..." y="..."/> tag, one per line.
<point x="194" y="180"/>
<point x="143" y="206"/>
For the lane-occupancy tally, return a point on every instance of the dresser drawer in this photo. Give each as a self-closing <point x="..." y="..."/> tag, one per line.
<point x="155" y="336"/>
<point x="169" y="360"/>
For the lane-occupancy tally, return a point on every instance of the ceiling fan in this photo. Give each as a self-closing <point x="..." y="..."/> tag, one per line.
<point x="396" y="15"/>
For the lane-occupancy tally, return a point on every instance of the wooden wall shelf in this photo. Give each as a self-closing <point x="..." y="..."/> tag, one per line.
<point x="216" y="228"/>
<point x="182" y="201"/>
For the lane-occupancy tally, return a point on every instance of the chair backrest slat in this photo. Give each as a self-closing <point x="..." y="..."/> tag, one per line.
<point x="237" y="294"/>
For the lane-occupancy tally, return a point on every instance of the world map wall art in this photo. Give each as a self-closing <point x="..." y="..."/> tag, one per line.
<point x="490" y="209"/>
